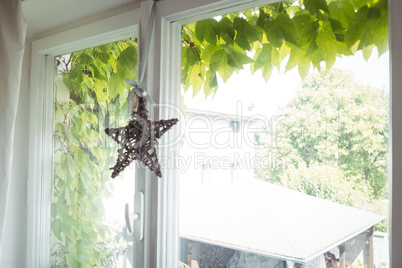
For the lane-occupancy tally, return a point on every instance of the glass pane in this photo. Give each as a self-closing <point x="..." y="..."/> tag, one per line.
<point x="87" y="226"/>
<point x="286" y="144"/>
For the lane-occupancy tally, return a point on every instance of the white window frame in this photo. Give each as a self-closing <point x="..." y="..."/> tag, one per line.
<point x="44" y="50"/>
<point x="160" y="246"/>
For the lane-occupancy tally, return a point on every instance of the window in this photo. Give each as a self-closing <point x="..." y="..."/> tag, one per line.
<point x="303" y="142"/>
<point x="70" y="217"/>
<point x="88" y="206"/>
<point x="235" y="125"/>
<point x="161" y="246"/>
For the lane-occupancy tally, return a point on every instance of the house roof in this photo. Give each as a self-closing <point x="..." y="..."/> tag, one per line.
<point x="266" y="219"/>
<point x="221" y="114"/>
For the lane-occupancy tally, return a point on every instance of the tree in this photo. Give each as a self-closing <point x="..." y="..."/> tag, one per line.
<point x="309" y="32"/>
<point x="332" y="141"/>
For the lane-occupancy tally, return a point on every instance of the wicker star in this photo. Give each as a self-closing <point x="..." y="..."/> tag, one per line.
<point x="138" y="140"/>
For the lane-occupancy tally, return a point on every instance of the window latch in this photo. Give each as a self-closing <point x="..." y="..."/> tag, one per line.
<point x="135" y="221"/>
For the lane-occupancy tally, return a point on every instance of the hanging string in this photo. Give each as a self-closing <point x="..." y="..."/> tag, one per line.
<point x="138" y="87"/>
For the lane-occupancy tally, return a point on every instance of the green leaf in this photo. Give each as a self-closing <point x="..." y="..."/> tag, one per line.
<point x="295" y="57"/>
<point x="211" y="83"/>
<point x="302" y="21"/>
<point x="288" y="27"/>
<point x="245" y="34"/>
<point x="304" y="67"/>
<point x="336" y="26"/>
<point x="358" y="3"/>
<point x="262" y="18"/>
<point x="97" y="74"/>
<point x="227" y="30"/>
<point x="356" y="27"/>
<point x="274" y="33"/>
<point x="56" y="229"/>
<point x="208" y="52"/>
<point x="367" y="52"/>
<point x="85" y="59"/>
<point x="81" y="253"/>
<point x="220" y="64"/>
<point x="381" y="33"/>
<point x="310" y="33"/>
<point x="236" y="58"/>
<point x="371" y="28"/>
<point x="314" y="6"/>
<point x="207" y="30"/>
<point x="104" y="57"/>
<point x="114" y="86"/>
<point x="128" y="57"/>
<point x="342" y="11"/>
<point x="275" y="58"/>
<point x="68" y="83"/>
<point x="76" y="73"/>
<point x="63" y="161"/>
<point x="195" y="79"/>
<point x="327" y="48"/>
<point x="192" y="55"/>
<point x="262" y="57"/>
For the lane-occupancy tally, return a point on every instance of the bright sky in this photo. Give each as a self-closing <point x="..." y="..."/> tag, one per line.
<point x="243" y="89"/>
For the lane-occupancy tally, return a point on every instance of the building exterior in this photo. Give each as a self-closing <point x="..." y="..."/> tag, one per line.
<point x="252" y="223"/>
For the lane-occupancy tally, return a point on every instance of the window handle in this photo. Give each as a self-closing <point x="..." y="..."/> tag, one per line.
<point x="135" y="221"/>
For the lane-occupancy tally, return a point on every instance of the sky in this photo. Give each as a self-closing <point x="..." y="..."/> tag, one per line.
<point x="243" y="89"/>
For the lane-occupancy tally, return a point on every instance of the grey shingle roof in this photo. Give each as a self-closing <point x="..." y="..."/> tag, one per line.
<point x="266" y="219"/>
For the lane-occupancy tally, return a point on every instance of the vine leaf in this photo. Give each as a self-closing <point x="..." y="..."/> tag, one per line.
<point x="211" y="83"/>
<point x="295" y="57"/>
<point x="262" y="58"/>
<point x="207" y="29"/>
<point x="381" y="34"/>
<point x="128" y="58"/>
<point x="236" y="58"/>
<point x="245" y="33"/>
<point x="358" y="3"/>
<point x="274" y="33"/>
<point x="192" y="55"/>
<point x="227" y="30"/>
<point x="356" y="26"/>
<point x="262" y="18"/>
<point x="104" y="57"/>
<point x="220" y="64"/>
<point x="327" y="48"/>
<point x="314" y="6"/>
<point x="115" y="85"/>
<point x="370" y="28"/>
<point x="288" y="28"/>
<point x="195" y="79"/>
<point x="313" y="31"/>
<point x="85" y="59"/>
<point x="342" y="11"/>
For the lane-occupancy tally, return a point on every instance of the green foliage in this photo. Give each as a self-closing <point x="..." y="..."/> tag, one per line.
<point x="311" y="32"/>
<point x="90" y="96"/>
<point x="332" y="141"/>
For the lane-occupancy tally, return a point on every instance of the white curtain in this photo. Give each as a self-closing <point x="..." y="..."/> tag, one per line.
<point x="12" y="41"/>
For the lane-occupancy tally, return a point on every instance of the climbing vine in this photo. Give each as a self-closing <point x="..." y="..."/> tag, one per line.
<point x="90" y="96"/>
<point x="306" y="33"/>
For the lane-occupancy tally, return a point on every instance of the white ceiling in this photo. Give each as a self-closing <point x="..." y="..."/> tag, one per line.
<point x="43" y="15"/>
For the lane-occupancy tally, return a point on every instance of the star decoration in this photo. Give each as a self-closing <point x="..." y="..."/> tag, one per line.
<point x="138" y="139"/>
